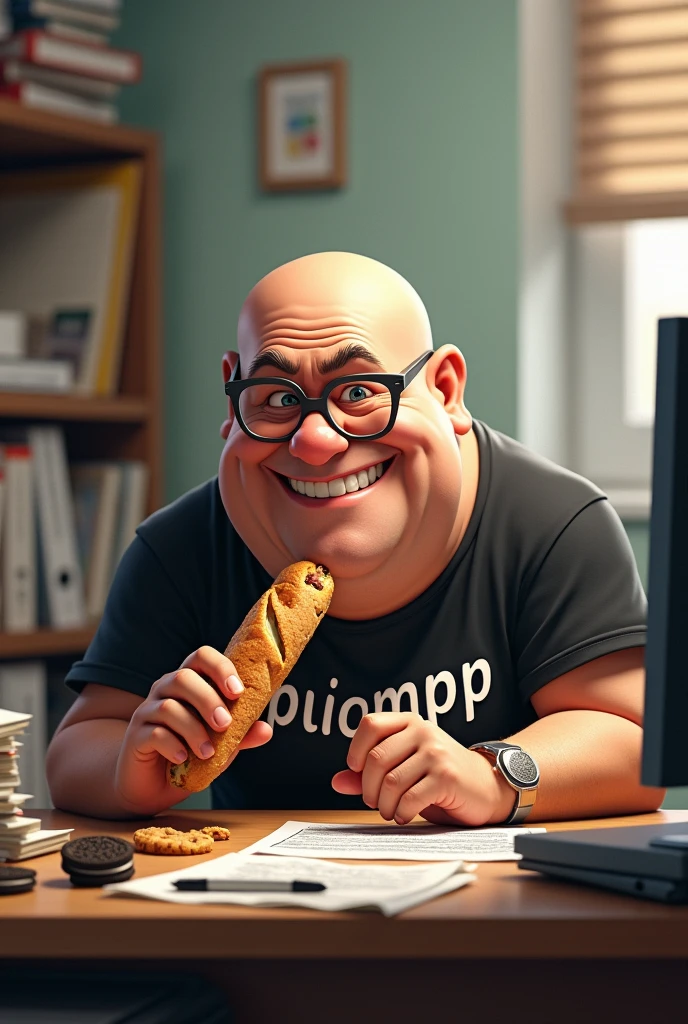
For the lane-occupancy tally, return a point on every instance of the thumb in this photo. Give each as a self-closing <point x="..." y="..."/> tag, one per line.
<point x="259" y="733"/>
<point x="347" y="782"/>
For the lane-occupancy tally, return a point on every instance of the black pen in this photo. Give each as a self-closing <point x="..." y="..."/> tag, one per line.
<point x="244" y="885"/>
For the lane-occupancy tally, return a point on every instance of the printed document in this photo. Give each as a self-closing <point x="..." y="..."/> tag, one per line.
<point x="349" y="886"/>
<point x="391" y="842"/>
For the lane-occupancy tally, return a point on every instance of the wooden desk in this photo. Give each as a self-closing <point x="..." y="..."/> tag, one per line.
<point x="537" y="949"/>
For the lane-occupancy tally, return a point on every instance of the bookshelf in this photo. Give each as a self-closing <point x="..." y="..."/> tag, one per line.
<point x="128" y="425"/>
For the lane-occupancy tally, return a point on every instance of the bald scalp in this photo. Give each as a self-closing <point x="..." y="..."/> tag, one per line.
<point x="334" y="296"/>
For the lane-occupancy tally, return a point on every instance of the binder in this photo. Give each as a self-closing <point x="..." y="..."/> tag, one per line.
<point x="57" y="532"/>
<point x="105" y="478"/>
<point x="19" y="542"/>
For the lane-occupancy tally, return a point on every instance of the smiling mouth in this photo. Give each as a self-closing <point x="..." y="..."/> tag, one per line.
<point x="338" y="487"/>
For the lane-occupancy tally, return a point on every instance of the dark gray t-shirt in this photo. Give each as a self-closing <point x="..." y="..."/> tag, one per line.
<point x="543" y="581"/>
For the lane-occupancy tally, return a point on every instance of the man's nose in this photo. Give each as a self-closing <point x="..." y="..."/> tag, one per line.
<point x="315" y="441"/>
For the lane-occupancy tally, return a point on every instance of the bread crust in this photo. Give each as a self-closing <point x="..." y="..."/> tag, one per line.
<point x="263" y="655"/>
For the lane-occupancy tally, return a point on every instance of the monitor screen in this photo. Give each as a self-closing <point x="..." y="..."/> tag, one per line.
<point x="665" y="745"/>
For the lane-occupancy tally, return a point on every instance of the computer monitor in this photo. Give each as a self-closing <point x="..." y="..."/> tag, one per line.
<point x="665" y="750"/>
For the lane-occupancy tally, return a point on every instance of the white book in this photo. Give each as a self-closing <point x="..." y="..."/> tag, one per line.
<point x="43" y="97"/>
<point x="23" y="688"/>
<point x="57" y="532"/>
<point x="132" y="505"/>
<point x="36" y="375"/>
<point x="13" y="333"/>
<point x="35" y="843"/>
<point x="19" y="613"/>
<point x="108" y="480"/>
<point x="18" y="71"/>
<point x="18" y="825"/>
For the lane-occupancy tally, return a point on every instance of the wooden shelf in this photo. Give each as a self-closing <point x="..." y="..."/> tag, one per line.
<point x="122" y="409"/>
<point x="34" y="137"/>
<point x="46" y="642"/>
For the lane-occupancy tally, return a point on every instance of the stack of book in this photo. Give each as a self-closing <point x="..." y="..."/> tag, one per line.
<point x="63" y="530"/>
<point x="58" y="58"/>
<point x="20" y="836"/>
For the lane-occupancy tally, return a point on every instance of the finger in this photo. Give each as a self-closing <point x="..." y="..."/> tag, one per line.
<point x="186" y="685"/>
<point x="347" y="782"/>
<point x="397" y="783"/>
<point x="155" y="740"/>
<point x="259" y="733"/>
<point x="217" y="667"/>
<point x="384" y="758"/>
<point x="181" y="721"/>
<point x="437" y="815"/>
<point x="415" y="799"/>
<point x="372" y="729"/>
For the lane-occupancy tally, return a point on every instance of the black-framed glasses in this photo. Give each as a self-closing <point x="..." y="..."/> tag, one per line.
<point x="361" y="405"/>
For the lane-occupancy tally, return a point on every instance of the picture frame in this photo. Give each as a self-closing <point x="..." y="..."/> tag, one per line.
<point x="302" y="131"/>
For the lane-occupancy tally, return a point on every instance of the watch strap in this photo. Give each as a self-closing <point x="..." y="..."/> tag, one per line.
<point x="525" y="795"/>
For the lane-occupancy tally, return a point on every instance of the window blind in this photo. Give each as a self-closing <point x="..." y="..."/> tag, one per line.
<point x="631" y="110"/>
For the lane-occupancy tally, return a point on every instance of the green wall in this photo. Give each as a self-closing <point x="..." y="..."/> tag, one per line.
<point x="432" y="189"/>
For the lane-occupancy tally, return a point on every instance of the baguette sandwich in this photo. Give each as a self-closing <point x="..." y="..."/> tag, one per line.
<point x="264" y="649"/>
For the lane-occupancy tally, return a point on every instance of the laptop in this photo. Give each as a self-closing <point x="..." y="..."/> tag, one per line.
<point x="648" y="861"/>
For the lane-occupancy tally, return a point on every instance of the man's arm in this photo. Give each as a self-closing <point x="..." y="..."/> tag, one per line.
<point x="588" y="742"/>
<point x="82" y="756"/>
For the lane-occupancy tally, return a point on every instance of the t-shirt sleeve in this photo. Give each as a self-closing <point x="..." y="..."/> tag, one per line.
<point x="584" y="600"/>
<point x="148" y="627"/>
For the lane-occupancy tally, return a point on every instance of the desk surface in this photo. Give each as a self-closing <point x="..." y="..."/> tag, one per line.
<point x="505" y="913"/>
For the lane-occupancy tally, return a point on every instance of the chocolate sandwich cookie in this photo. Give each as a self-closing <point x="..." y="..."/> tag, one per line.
<point x="98" y="860"/>
<point x="16" y="880"/>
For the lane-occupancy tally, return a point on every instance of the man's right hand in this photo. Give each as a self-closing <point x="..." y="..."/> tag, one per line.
<point x="173" y="720"/>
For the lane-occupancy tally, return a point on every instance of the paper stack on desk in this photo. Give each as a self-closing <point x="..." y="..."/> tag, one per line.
<point x="349" y="887"/>
<point x="20" y="836"/>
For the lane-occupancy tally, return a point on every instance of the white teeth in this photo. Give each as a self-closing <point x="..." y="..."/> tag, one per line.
<point x="342" y="485"/>
<point x="335" y="488"/>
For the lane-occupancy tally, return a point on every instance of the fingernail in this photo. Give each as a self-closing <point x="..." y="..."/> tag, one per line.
<point x="221" y="718"/>
<point x="207" y="750"/>
<point x="180" y="756"/>
<point x="234" y="684"/>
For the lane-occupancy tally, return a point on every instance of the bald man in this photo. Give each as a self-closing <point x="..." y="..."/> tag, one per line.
<point x="482" y="658"/>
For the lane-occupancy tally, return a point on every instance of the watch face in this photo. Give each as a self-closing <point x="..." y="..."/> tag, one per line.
<point x="520" y="766"/>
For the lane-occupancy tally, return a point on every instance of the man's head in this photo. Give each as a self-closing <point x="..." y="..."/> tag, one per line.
<point x="394" y="536"/>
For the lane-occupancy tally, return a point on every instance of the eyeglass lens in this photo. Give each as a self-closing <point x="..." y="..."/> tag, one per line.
<point x="358" y="407"/>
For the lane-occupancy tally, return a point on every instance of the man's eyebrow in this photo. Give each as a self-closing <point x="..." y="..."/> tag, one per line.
<point x="271" y="357"/>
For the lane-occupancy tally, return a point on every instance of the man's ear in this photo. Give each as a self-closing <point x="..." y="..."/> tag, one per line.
<point x="229" y="361"/>
<point x="446" y="376"/>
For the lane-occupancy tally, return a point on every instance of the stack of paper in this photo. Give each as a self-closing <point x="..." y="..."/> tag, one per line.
<point x="348" y="887"/>
<point x="20" y="836"/>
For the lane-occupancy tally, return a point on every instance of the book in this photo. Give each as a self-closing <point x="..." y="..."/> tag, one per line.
<point x="90" y="212"/>
<point x="79" y="14"/>
<point x="19" y="589"/>
<point x="13" y="334"/>
<point x="33" y="844"/>
<point x="57" y="531"/>
<point x="68" y="55"/>
<point x="23" y="688"/>
<point x="18" y="71"/>
<point x="132" y="510"/>
<point x="105" y="478"/>
<point x="61" y="28"/>
<point x="43" y="97"/>
<point x="36" y="374"/>
<point x="12" y="723"/>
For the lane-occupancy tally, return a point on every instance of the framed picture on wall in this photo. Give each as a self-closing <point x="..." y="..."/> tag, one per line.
<point x="302" y="131"/>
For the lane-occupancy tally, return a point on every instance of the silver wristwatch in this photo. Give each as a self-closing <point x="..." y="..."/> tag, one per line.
<point x="520" y="771"/>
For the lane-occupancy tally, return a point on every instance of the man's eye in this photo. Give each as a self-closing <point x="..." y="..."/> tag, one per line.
<point x="355" y="393"/>
<point x="284" y="399"/>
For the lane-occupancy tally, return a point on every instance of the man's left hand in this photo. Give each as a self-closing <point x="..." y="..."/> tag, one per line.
<point x="406" y="766"/>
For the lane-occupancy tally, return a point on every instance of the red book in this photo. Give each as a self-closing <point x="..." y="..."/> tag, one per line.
<point x="36" y="47"/>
